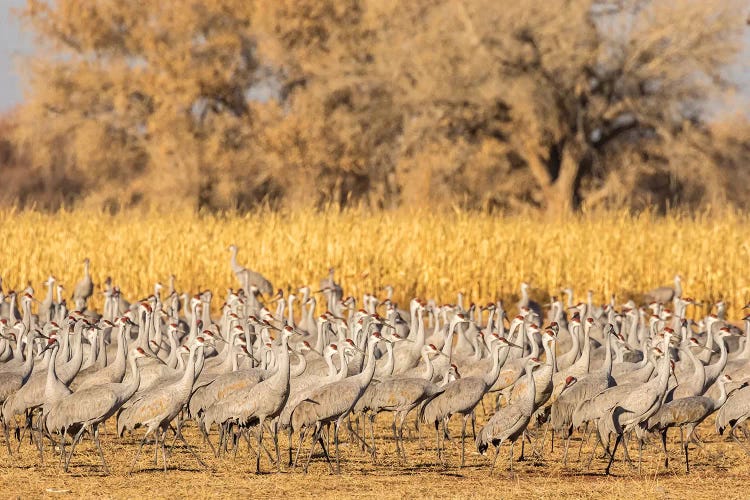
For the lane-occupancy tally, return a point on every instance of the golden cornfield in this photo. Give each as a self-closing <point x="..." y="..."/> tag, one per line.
<point x="421" y="253"/>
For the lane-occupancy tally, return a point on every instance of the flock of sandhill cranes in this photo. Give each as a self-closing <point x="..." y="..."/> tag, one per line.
<point x="163" y="362"/>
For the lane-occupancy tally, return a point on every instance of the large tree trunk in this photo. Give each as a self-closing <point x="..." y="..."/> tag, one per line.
<point x="559" y="191"/>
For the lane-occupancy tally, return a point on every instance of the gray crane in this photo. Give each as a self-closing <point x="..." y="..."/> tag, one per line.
<point x="665" y="294"/>
<point x="586" y="387"/>
<point x="248" y="278"/>
<point x="156" y="408"/>
<point x="687" y="414"/>
<point x="302" y="387"/>
<point x="713" y="370"/>
<point x="639" y="405"/>
<point x="115" y="371"/>
<point x="12" y="381"/>
<point x="527" y="302"/>
<point x="734" y="413"/>
<point x="399" y="395"/>
<point x="84" y="289"/>
<point x="86" y="409"/>
<point x="333" y="402"/>
<point x="263" y="401"/>
<point x="463" y="395"/>
<point x="510" y="422"/>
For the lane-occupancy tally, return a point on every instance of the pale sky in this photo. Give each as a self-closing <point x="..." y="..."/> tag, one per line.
<point x="14" y="42"/>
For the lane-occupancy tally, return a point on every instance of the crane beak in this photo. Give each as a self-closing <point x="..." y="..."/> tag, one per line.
<point x="511" y="344"/>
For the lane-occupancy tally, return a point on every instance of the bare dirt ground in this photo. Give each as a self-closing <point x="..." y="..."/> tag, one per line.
<point x="721" y="469"/>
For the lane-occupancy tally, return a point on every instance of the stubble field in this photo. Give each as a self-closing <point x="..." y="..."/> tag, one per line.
<point x="423" y="254"/>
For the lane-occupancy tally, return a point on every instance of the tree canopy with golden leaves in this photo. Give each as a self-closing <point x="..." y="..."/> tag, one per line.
<point x="225" y="104"/>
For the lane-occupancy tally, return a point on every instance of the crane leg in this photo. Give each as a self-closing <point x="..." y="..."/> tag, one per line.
<point x="593" y="452"/>
<point x="76" y="439"/>
<point x="395" y="435"/>
<point x="371" y="420"/>
<point x="691" y="429"/>
<point x="7" y="438"/>
<point x="190" y="449"/>
<point x="302" y="435"/>
<point x="138" y="453"/>
<point x="316" y="437"/>
<point x="463" y="438"/>
<point x="62" y="447"/>
<point x="260" y="443"/>
<point x="664" y="448"/>
<point x="612" y="457"/>
<point x="494" y="460"/>
<point x="206" y="439"/>
<point x="512" y="445"/>
<point x="736" y="440"/>
<point x="275" y="434"/>
<point x="289" y="433"/>
<point x="640" y="454"/>
<point x="437" y="440"/>
<point x="523" y="447"/>
<point x="160" y="444"/>
<point x="585" y="439"/>
<point x="336" y="444"/>
<point x="402" y="419"/>
<point x="99" y="448"/>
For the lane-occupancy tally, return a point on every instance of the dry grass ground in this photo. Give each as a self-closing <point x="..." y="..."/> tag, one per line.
<point x="721" y="470"/>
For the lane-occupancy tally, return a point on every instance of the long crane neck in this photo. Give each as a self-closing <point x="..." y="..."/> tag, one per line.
<point x="365" y="376"/>
<point x="491" y="377"/>
<point x="131" y="386"/>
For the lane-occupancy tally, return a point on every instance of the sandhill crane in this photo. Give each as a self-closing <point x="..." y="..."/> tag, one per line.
<point x="463" y="395"/>
<point x="686" y="413"/>
<point x="713" y="370"/>
<point x="566" y="360"/>
<point x="113" y="372"/>
<point x="47" y="306"/>
<point x="527" y="302"/>
<point x="156" y="408"/>
<point x="84" y="289"/>
<point x="263" y="401"/>
<point x="302" y="387"/>
<point x="427" y="371"/>
<point x="639" y="405"/>
<point x="334" y="402"/>
<point x="734" y="413"/>
<point x="398" y="395"/>
<point x="692" y="383"/>
<point x="86" y="409"/>
<point x="587" y="387"/>
<point x="12" y="381"/>
<point x="248" y="278"/>
<point x="510" y="422"/>
<point x="665" y="294"/>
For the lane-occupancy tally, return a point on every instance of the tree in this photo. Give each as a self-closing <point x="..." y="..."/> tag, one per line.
<point x="548" y="104"/>
<point x="571" y="87"/>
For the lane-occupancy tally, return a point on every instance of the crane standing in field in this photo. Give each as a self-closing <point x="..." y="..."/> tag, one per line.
<point x="262" y="401"/>
<point x="463" y="395"/>
<point x="248" y="278"/>
<point x="84" y="289"/>
<point x="510" y="422"/>
<point x="333" y="403"/>
<point x="639" y="405"/>
<point x="156" y="408"/>
<point x="88" y="408"/>
<point x="686" y="413"/>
